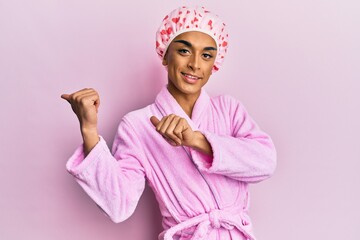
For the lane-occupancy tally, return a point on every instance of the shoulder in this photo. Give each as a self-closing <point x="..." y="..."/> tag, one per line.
<point x="138" y="114"/>
<point x="132" y="126"/>
<point x="138" y="117"/>
<point x="232" y="109"/>
<point x="227" y="103"/>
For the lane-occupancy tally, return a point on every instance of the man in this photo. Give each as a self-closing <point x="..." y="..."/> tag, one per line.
<point x="198" y="153"/>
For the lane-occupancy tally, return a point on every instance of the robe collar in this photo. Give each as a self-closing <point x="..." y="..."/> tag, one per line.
<point x="167" y="105"/>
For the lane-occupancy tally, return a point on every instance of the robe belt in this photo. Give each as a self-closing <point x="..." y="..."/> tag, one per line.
<point x="207" y="221"/>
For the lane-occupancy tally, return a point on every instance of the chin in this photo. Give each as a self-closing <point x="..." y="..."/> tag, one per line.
<point x="190" y="89"/>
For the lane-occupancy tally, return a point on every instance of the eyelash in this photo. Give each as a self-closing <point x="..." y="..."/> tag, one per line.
<point x="208" y="56"/>
<point x="185" y="51"/>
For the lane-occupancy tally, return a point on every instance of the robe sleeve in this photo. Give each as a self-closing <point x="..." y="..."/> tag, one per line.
<point x="247" y="154"/>
<point x="114" y="180"/>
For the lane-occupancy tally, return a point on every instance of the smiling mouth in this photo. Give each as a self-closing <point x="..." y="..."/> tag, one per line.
<point x="193" y="77"/>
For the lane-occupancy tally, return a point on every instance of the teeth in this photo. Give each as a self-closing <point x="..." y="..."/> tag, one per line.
<point x="190" y="76"/>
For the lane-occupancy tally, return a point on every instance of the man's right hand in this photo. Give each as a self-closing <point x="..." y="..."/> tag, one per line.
<point x="85" y="104"/>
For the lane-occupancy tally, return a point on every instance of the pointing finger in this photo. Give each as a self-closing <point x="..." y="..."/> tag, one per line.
<point x="154" y="120"/>
<point x="66" y="97"/>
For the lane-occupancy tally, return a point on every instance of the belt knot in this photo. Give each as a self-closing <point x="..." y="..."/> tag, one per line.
<point x="216" y="218"/>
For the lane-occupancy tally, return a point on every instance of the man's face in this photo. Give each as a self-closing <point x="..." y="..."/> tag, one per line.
<point x="189" y="60"/>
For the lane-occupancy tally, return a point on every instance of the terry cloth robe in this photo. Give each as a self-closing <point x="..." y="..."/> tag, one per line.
<point x="200" y="197"/>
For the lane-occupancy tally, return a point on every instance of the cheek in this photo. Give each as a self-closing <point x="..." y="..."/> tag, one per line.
<point x="208" y="68"/>
<point x="174" y="60"/>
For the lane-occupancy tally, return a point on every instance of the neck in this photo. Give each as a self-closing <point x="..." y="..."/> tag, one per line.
<point x="186" y="101"/>
<point x="187" y="104"/>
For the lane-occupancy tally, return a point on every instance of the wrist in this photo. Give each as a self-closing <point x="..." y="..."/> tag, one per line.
<point x="90" y="139"/>
<point x="200" y="143"/>
<point x="88" y="130"/>
<point x="197" y="140"/>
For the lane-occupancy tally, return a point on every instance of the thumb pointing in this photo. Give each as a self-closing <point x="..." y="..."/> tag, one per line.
<point x="154" y="121"/>
<point x="66" y="97"/>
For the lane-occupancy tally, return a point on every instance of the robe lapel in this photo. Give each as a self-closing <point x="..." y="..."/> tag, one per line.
<point x="167" y="104"/>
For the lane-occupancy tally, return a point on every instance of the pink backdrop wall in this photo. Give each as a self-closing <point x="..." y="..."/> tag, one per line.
<point x="294" y="64"/>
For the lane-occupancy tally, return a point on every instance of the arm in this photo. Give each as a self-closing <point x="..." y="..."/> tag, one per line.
<point x="247" y="155"/>
<point x="115" y="181"/>
<point x="85" y="104"/>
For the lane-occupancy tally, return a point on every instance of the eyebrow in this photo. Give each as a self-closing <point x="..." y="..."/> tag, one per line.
<point x="190" y="45"/>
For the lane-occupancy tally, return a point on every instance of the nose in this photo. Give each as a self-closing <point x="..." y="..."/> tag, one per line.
<point x="194" y="62"/>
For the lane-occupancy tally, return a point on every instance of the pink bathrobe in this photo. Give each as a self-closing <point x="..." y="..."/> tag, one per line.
<point x="200" y="197"/>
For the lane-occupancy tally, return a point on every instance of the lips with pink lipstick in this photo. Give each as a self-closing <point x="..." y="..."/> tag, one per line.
<point x="190" y="78"/>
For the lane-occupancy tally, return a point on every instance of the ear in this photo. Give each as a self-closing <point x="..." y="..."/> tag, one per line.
<point x="165" y="61"/>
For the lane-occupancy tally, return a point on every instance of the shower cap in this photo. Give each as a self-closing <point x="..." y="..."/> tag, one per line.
<point x="186" y="19"/>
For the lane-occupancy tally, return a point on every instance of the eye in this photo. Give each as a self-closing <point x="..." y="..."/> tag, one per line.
<point x="207" y="56"/>
<point x="183" y="51"/>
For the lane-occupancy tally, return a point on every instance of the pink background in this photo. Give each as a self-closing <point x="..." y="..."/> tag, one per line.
<point x="294" y="64"/>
